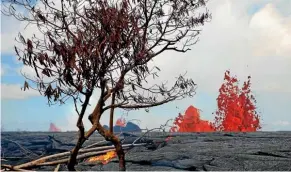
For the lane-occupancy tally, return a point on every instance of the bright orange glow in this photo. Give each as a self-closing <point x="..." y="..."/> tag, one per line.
<point x="54" y="128"/>
<point x="236" y="111"/>
<point x="191" y="122"/>
<point x="120" y="122"/>
<point x="236" y="107"/>
<point x="104" y="159"/>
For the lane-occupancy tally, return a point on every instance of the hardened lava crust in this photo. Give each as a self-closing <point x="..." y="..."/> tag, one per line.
<point x="219" y="151"/>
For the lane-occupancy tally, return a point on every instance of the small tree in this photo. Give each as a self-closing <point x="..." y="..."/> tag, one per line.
<point x="236" y="107"/>
<point x="89" y="45"/>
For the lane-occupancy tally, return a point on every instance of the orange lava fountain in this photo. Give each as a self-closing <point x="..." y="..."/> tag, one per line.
<point x="236" y="111"/>
<point x="54" y="128"/>
<point x="120" y="122"/>
<point x="191" y="122"/>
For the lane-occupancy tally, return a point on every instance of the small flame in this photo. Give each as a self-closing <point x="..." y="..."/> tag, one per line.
<point x="104" y="159"/>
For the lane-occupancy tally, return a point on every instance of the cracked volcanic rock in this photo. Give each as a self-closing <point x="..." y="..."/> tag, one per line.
<point x="262" y="151"/>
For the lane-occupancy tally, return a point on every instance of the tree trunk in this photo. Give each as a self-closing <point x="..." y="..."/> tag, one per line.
<point x="120" y="153"/>
<point x="117" y="144"/>
<point x="73" y="157"/>
<point x="82" y="138"/>
<point x="111" y="114"/>
<point x="94" y="118"/>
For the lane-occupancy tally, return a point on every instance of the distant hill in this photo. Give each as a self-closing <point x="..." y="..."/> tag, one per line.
<point x="130" y="127"/>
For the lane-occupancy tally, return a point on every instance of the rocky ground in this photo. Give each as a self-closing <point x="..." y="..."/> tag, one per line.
<point x="263" y="151"/>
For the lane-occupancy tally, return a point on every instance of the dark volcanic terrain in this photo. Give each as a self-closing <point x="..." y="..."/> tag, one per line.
<point x="264" y="151"/>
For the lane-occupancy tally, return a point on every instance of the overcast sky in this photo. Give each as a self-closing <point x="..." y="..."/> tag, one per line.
<point x="247" y="37"/>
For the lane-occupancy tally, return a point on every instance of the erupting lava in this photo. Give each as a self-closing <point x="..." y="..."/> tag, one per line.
<point x="53" y="128"/>
<point x="236" y="107"/>
<point x="104" y="159"/>
<point x="236" y="111"/>
<point x="191" y="122"/>
<point x="120" y="122"/>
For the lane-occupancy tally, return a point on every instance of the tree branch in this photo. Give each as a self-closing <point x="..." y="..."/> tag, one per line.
<point x="138" y="106"/>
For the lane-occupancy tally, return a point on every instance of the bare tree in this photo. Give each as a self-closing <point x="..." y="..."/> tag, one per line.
<point x="89" y="45"/>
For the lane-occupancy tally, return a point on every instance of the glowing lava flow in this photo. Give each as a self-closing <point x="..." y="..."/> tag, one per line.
<point x="104" y="159"/>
